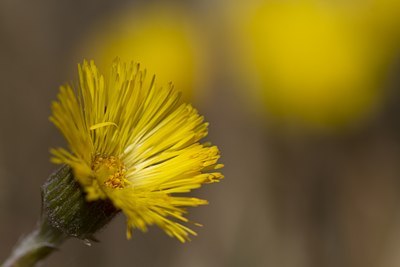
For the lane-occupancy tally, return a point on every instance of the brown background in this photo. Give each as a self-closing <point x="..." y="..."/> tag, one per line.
<point x="290" y="197"/>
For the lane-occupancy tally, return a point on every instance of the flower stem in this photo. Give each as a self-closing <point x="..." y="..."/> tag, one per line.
<point x="36" y="246"/>
<point x="65" y="213"/>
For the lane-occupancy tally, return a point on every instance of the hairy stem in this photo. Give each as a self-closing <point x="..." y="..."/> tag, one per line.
<point x="36" y="246"/>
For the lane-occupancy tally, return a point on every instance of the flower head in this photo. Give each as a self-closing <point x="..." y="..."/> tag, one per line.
<point x="135" y="144"/>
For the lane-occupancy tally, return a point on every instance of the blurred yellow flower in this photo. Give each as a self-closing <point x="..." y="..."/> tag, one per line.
<point x="380" y="19"/>
<point x="313" y="63"/>
<point x="163" y="36"/>
<point x="135" y="145"/>
<point x="384" y="18"/>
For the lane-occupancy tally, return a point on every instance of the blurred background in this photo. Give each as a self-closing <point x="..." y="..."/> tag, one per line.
<point x="302" y="99"/>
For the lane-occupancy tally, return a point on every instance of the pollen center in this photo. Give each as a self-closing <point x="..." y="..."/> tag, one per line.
<point x="110" y="171"/>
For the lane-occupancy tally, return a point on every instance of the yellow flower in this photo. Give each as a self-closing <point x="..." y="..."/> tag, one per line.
<point x="135" y="145"/>
<point x="310" y="63"/>
<point x="164" y="35"/>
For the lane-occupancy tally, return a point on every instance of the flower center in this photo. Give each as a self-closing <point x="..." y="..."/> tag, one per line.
<point x="110" y="171"/>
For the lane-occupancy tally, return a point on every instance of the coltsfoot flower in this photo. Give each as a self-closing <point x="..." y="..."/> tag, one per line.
<point x="133" y="143"/>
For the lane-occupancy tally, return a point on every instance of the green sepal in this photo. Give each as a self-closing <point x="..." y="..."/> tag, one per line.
<point x="65" y="207"/>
